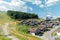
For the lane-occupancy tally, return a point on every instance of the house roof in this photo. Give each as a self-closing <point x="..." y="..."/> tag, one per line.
<point x="32" y="29"/>
<point x="49" y="24"/>
<point x="58" y="30"/>
<point x="42" y="27"/>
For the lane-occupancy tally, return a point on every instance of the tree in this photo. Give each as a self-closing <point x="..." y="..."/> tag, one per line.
<point x="21" y="15"/>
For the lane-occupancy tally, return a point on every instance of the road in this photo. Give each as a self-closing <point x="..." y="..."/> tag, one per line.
<point x="6" y="33"/>
<point x="47" y="35"/>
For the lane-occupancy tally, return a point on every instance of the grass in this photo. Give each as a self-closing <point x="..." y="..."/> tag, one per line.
<point x="21" y="33"/>
<point x="4" y="38"/>
<point x="53" y="34"/>
<point x="57" y="38"/>
<point x="20" y="36"/>
<point x="4" y="17"/>
<point x="22" y="28"/>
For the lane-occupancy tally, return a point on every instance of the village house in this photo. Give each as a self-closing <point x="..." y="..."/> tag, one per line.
<point x="32" y="31"/>
<point x="49" y="25"/>
<point x="37" y="31"/>
<point x="42" y="27"/>
<point x="58" y="32"/>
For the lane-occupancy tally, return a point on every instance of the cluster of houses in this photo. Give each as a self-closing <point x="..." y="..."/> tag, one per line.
<point x="30" y="22"/>
<point x="43" y="26"/>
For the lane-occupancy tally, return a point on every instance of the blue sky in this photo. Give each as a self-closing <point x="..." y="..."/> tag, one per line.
<point x="39" y="7"/>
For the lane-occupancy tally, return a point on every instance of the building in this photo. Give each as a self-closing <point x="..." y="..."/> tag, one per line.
<point x="58" y="32"/>
<point x="37" y="31"/>
<point x="32" y="31"/>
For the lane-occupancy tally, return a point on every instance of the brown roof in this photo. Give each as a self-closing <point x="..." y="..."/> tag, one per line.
<point x="49" y="24"/>
<point x="42" y="27"/>
<point x="32" y="29"/>
<point x="58" y="30"/>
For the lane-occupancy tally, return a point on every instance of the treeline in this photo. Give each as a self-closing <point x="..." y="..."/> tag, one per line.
<point x="21" y="15"/>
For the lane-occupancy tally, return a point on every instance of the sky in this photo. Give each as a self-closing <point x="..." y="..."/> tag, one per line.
<point x="39" y="7"/>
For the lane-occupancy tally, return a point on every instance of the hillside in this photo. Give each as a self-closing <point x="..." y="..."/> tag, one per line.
<point x="4" y="17"/>
<point x="13" y="29"/>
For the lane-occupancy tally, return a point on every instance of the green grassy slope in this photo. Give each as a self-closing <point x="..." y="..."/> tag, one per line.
<point x="19" y="34"/>
<point x="3" y="17"/>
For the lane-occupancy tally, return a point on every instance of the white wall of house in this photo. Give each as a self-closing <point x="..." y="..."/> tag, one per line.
<point x="33" y="34"/>
<point x="58" y="34"/>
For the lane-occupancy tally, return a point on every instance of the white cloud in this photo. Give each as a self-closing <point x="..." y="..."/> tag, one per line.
<point x="36" y="2"/>
<point x="54" y="17"/>
<point x="31" y="8"/>
<point x="51" y="2"/>
<point x="21" y="5"/>
<point x="16" y="3"/>
<point x="46" y="4"/>
<point x="2" y="8"/>
<point x="13" y="5"/>
<point x="42" y="6"/>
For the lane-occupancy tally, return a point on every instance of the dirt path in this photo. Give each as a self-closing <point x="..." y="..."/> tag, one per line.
<point x="6" y="33"/>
